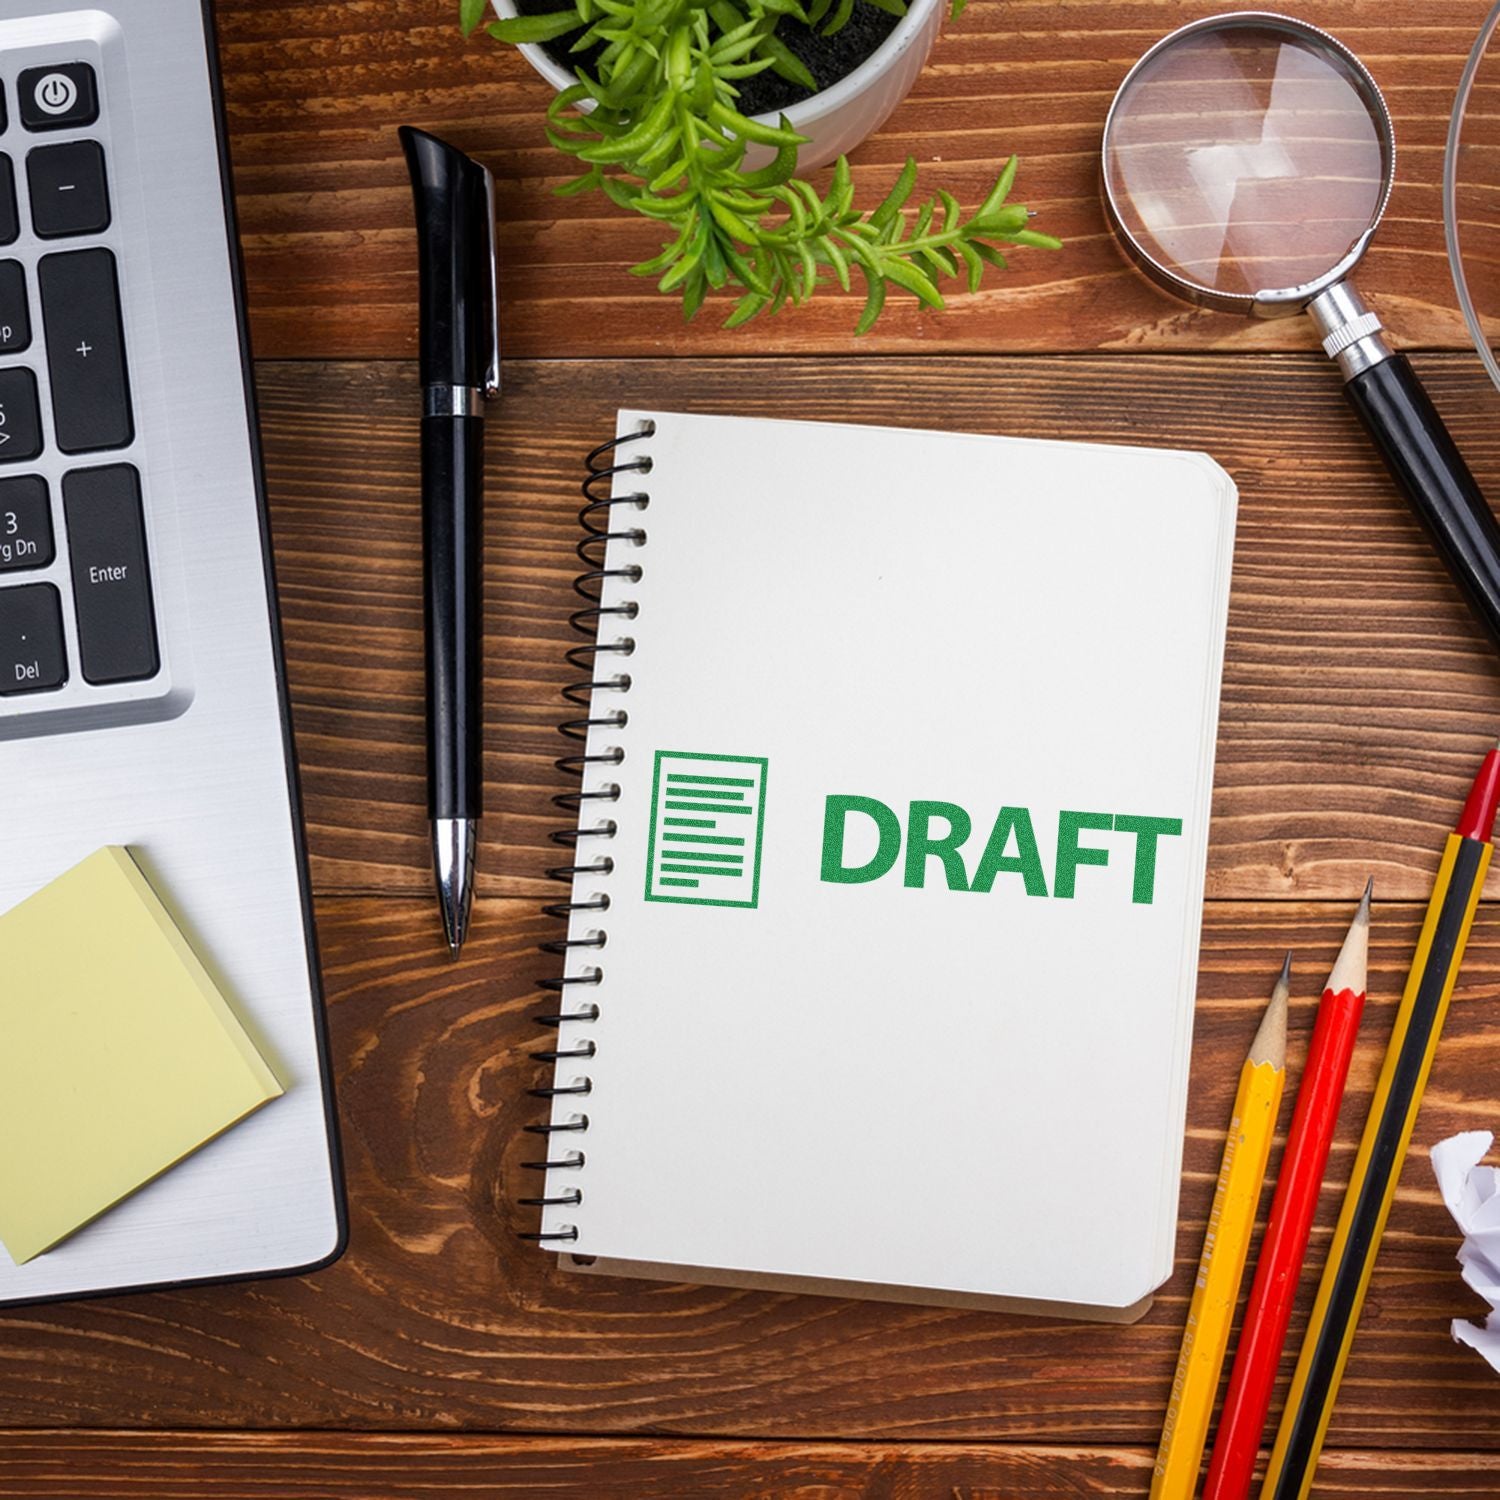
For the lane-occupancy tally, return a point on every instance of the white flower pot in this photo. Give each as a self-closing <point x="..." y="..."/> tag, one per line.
<point x="839" y="118"/>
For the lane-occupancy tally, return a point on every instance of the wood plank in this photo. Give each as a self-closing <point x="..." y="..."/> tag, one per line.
<point x="439" y="1318"/>
<point x="388" y="1466"/>
<point x="1358" y="695"/>
<point x="314" y="95"/>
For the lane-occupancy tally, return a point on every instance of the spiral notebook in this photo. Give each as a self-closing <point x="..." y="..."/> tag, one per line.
<point x="885" y="904"/>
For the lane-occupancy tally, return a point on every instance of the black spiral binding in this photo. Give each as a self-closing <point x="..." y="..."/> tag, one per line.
<point x="596" y="518"/>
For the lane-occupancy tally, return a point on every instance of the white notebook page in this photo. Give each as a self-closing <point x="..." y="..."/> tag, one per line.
<point x="916" y="1084"/>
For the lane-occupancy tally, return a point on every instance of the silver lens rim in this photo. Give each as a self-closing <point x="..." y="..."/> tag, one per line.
<point x="1272" y="301"/>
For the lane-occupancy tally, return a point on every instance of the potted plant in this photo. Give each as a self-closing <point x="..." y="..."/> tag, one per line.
<point x="693" y="113"/>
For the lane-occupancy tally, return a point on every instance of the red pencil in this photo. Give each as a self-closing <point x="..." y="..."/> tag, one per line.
<point x="1269" y="1309"/>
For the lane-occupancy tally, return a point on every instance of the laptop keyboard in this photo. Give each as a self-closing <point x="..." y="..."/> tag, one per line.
<point x="60" y="314"/>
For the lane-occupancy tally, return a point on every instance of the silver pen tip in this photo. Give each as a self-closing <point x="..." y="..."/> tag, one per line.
<point x="453" y="848"/>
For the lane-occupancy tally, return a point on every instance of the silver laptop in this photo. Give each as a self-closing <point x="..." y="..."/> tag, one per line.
<point x="142" y="694"/>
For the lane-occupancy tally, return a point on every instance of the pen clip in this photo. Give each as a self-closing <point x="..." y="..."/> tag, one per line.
<point x="492" y="371"/>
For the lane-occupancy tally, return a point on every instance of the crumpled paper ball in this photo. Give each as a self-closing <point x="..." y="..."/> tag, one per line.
<point x="1472" y="1193"/>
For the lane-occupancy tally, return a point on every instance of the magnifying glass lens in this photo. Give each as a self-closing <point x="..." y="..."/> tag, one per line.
<point x="1246" y="159"/>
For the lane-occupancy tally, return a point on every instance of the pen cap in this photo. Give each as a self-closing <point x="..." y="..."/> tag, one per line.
<point x="455" y="247"/>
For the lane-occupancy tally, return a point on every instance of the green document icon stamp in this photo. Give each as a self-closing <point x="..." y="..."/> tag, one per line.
<point x="707" y="816"/>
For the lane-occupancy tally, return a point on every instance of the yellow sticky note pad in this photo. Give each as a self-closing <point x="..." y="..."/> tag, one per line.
<point x="119" y="1056"/>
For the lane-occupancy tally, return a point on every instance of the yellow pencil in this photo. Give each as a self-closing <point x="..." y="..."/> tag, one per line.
<point x="1225" y="1248"/>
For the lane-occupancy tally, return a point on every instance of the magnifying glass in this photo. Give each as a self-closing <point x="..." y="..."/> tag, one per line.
<point x="1247" y="161"/>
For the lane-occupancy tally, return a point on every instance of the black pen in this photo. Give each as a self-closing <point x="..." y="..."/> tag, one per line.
<point x="460" y="371"/>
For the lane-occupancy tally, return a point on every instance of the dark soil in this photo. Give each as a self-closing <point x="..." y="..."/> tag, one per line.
<point x="827" y="58"/>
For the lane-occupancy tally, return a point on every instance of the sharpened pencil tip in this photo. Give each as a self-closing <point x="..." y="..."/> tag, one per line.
<point x="1351" y="966"/>
<point x="1269" y="1045"/>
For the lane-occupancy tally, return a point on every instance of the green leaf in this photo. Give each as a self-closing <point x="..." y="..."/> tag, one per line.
<point x="713" y="261"/>
<point x="731" y="223"/>
<point x="747" y="129"/>
<point x="810" y="197"/>
<point x="904" y="274"/>
<point x="470" y="14"/>
<point x="567" y="99"/>
<point x="839" y="262"/>
<point x="690" y="265"/>
<point x="669" y="176"/>
<point x="662" y="208"/>
<point x="1008" y="219"/>
<point x="743" y="268"/>
<point x="840" y="18"/>
<point x="653" y="156"/>
<point x="746" y="308"/>
<point x="743" y="203"/>
<point x="970" y="257"/>
<point x="635" y="141"/>
<point x="874" y="301"/>
<point x="940" y="259"/>
<point x="1001" y="190"/>
<point x="535" y="28"/>
<point x="745" y="70"/>
<point x="777" y="171"/>
<point x="989" y="254"/>
<point x="678" y="274"/>
<point x="577" y="185"/>
<point x="786" y="62"/>
<point x="620" y="192"/>
<point x="809" y="269"/>
<point x="693" y="294"/>
<point x="895" y="200"/>
<point x="840" y="190"/>
<point x="1036" y="240"/>
<point x="668" y="255"/>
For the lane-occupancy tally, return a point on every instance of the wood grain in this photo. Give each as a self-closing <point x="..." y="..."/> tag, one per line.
<point x="1358" y="695"/>
<point x="438" y="1318"/>
<point x="315" y="92"/>
<point x="389" y="1466"/>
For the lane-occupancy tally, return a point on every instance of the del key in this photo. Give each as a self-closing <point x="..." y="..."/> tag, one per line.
<point x="85" y="350"/>
<point x="111" y="577"/>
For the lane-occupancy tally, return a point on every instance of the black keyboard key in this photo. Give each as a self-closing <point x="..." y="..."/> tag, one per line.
<point x="10" y="218"/>
<point x="15" y="314"/>
<point x="57" y="96"/>
<point x="20" y="417"/>
<point x="32" y="655"/>
<point x="111" y="577"/>
<point x="25" y="523"/>
<point x="85" y="350"/>
<point x="68" y="191"/>
<point x="4" y="118"/>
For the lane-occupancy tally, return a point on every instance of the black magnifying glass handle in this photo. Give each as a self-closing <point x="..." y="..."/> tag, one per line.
<point x="1418" y="450"/>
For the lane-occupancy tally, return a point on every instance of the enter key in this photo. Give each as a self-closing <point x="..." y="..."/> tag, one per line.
<point x="111" y="574"/>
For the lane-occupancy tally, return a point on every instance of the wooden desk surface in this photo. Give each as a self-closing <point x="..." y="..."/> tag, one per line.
<point x="440" y="1356"/>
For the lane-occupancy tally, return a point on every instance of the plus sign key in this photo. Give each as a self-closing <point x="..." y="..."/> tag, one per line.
<point x="85" y="351"/>
<point x="57" y="96"/>
<point x="32" y="656"/>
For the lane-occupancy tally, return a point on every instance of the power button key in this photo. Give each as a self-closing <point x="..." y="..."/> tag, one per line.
<point x="58" y="96"/>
